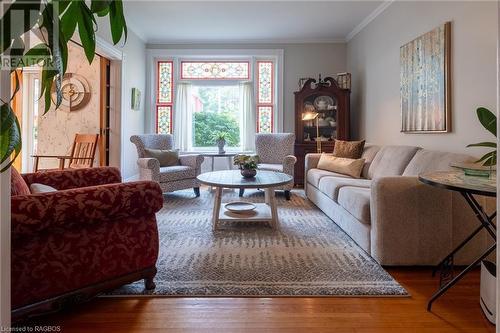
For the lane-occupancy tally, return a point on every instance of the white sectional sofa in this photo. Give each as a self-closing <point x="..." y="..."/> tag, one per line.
<point x="390" y="214"/>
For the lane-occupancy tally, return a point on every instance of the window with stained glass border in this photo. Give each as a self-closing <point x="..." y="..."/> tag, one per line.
<point x="265" y="96"/>
<point x="164" y="96"/>
<point x="215" y="70"/>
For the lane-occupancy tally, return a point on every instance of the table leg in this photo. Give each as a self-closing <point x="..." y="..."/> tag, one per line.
<point x="450" y="284"/>
<point x="446" y="265"/>
<point x="212" y="158"/>
<point x="270" y="199"/>
<point x="481" y="215"/>
<point x="217" y="202"/>
<point x="447" y="262"/>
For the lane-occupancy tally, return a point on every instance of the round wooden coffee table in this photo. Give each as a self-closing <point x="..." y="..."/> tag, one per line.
<point x="263" y="212"/>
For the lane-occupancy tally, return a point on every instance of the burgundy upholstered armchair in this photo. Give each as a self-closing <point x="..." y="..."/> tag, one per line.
<point x="92" y="235"/>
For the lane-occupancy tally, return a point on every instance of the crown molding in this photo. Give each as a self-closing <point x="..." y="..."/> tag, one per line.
<point x="373" y="15"/>
<point x="154" y="43"/>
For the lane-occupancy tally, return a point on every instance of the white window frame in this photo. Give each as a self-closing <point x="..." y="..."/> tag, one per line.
<point x="178" y="55"/>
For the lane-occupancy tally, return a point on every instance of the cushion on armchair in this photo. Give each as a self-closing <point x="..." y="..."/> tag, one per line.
<point x="270" y="167"/>
<point x="166" y="157"/>
<point x="176" y="172"/>
<point x="17" y="184"/>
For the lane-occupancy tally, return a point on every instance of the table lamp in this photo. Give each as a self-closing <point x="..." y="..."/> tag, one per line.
<point x="311" y="115"/>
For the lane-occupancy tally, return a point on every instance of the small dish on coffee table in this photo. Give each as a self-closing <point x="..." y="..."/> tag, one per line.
<point x="240" y="206"/>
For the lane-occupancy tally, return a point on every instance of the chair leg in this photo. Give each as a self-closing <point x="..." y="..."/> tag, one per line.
<point x="149" y="282"/>
<point x="287" y="195"/>
<point x="196" y="191"/>
<point x="242" y="191"/>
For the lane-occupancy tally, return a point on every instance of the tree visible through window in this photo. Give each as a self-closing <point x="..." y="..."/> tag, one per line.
<point x="216" y="109"/>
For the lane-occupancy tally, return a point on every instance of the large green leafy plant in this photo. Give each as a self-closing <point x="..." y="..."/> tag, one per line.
<point x="54" y="22"/>
<point x="489" y="121"/>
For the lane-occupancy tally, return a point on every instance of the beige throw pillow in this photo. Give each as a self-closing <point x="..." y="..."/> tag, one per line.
<point x="165" y="157"/>
<point x="348" y="149"/>
<point x="41" y="188"/>
<point x="346" y="166"/>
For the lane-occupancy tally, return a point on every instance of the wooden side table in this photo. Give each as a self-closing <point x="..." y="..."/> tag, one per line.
<point x="467" y="186"/>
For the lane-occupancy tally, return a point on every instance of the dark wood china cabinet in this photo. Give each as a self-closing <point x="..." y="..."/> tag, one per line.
<point x="328" y="105"/>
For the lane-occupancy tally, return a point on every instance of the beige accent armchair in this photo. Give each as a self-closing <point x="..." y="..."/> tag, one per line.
<point x="171" y="178"/>
<point x="275" y="153"/>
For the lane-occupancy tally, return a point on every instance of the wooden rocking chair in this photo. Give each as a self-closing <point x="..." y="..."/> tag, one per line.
<point x="82" y="153"/>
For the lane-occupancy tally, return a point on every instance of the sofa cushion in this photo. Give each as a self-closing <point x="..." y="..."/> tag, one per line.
<point x="332" y="185"/>
<point x="391" y="161"/>
<point x="429" y="160"/>
<point x="177" y="172"/>
<point x="369" y="153"/>
<point x="315" y="175"/>
<point x="17" y="184"/>
<point x="356" y="200"/>
<point x="270" y="167"/>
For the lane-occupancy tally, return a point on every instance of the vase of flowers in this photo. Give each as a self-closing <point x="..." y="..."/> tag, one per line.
<point x="220" y="140"/>
<point x="247" y="165"/>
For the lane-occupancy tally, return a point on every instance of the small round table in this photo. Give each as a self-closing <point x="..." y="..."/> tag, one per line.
<point x="264" y="212"/>
<point x="212" y="157"/>
<point x="467" y="186"/>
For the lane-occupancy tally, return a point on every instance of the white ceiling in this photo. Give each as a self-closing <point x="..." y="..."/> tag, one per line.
<point x="248" y="21"/>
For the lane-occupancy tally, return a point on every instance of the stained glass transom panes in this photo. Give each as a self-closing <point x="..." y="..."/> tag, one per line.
<point x="164" y="114"/>
<point x="228" y="70"/>
<point x="265" y="82"/>
<point x="165" y="79"/>
<point x="265" y="119"/>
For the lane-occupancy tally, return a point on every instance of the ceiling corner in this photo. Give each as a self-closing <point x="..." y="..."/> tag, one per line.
<point x="367" y="20"/>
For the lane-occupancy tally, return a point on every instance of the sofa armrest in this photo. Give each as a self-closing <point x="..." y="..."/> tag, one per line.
<point x="289" y="164"/>
<point x="149" y="169"/>
<point x="34" y="213"/>
<point x="414" y="223"/>
<point x="194" y="161"/>
<point x="75" y="178"/>
<point x="311" y="161"/>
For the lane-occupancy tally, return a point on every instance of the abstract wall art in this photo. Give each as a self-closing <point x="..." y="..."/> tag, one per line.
<point x="425" y="82"/>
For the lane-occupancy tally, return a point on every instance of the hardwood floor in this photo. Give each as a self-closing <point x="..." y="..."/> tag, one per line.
<point x="457" y="311"/>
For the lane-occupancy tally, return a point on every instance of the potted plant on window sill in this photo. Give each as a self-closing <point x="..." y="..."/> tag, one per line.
<point x="247" y="165"/>
<point x="220" y="140"/>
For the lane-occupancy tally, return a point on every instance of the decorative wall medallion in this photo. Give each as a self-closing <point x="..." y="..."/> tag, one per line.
<point x="75" y="92"/>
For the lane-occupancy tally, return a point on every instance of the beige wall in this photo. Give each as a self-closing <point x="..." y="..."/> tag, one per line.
<point x="300" y="60"/>
<point x="57" y="128"/>
<point x="373" y="60"/>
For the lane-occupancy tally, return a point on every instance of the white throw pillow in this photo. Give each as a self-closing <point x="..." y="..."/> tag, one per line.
<point x="41" y="188"/>
<point x="346" y="166"/>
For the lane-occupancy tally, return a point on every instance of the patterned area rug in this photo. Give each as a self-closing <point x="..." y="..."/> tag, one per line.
<point x="309" y="256"/>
